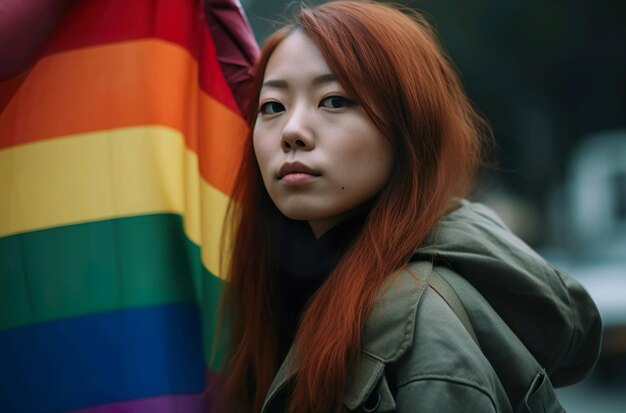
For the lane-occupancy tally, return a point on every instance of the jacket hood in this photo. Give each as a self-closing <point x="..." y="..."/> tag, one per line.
<point x="550" y="312"/>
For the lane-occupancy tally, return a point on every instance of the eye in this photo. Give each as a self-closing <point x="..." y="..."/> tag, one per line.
<point x="271" y="108"/>
<point x="336" y="102"/>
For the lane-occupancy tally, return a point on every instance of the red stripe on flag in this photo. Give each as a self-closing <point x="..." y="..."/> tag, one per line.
<point x="96" y="22"/>
<point x="182" y="22"/>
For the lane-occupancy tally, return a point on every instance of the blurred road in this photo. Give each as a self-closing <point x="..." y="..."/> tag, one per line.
<point x="594" y="396"/>
<point x="605" y="390"/>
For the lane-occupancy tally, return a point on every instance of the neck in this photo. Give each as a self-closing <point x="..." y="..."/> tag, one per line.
<point x="321" y="226"/>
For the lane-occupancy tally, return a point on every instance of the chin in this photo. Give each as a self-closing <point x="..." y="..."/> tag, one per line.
<point x="297" y="215"/>
<point x="305" y="213"/>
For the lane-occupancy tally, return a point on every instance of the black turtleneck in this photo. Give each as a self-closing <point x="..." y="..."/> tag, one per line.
<point x="303" y="264"/>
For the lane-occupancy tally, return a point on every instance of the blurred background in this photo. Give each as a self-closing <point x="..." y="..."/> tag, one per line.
<point x="550" y="76"/>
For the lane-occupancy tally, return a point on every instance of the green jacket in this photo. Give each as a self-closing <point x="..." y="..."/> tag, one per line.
<point x="417" y="356"/>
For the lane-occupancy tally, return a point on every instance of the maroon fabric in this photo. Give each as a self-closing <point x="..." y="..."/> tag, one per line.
<point x="236" y="48"/>
<point x="25" y="25"/>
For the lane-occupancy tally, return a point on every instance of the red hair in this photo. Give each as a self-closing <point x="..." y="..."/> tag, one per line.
<point x="396" y="69"/>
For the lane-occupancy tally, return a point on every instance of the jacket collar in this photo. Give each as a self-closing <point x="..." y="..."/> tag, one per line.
<point x="387" y="335"/>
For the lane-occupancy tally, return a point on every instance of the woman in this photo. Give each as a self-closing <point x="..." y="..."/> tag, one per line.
<point x="347" y="207"/>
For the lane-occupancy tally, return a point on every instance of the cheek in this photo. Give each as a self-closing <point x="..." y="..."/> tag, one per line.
<point x="361" y="144"/>
<point x="371" y="157"/>
<point x="381" y="162"/>
<point x="260" y="150"/>
<point x="262" y="155"/>
<point x="363" y="171"/>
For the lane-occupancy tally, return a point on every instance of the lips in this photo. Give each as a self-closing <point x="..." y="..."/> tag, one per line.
<point x="295" y="167"/>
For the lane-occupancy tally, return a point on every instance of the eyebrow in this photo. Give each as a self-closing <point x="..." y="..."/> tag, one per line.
<point x="282" y="84"/>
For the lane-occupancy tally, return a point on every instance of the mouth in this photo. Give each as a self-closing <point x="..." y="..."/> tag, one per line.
<point x="297" y="179"/>
<point x="296" y="169"/>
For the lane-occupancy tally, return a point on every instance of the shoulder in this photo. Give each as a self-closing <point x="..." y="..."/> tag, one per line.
<point x="428" y="355"/>
<point x="408" y="309"/>
<point x="444" y="362"/>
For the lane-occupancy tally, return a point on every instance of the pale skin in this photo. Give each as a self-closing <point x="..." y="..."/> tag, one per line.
<point x="305" y="116"/>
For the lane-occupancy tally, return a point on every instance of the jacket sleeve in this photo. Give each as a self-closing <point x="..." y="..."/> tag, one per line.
<point x="443" y="395"/>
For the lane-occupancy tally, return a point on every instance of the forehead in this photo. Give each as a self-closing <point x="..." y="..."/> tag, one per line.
<point x="296" y="57"/>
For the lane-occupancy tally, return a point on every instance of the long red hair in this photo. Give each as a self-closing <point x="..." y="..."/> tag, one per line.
<point x="394" y="66"/>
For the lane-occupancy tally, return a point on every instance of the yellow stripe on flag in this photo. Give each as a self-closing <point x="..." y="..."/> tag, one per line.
<point x="110" y="174"/>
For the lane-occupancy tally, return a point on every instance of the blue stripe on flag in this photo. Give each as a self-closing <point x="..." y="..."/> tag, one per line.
<point x="102" y="358"/>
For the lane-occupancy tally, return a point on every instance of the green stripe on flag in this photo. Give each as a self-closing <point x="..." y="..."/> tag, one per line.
<point x="100" y="266"/>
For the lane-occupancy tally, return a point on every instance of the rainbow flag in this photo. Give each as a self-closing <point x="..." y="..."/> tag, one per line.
<point x="118" y="150"/>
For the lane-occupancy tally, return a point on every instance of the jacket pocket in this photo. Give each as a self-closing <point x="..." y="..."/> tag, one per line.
<point x="368" y="390"/>
<point x="380" y="400"/>
<point x="540" y="397"/>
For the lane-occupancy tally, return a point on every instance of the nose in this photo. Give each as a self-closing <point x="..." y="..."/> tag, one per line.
<point x="297" y="133"/>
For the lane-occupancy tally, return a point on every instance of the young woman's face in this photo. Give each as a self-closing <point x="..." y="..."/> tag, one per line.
<point x="320" y="155"/>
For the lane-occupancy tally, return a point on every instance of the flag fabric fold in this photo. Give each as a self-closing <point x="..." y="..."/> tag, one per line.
<point x="121" y="131"/>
